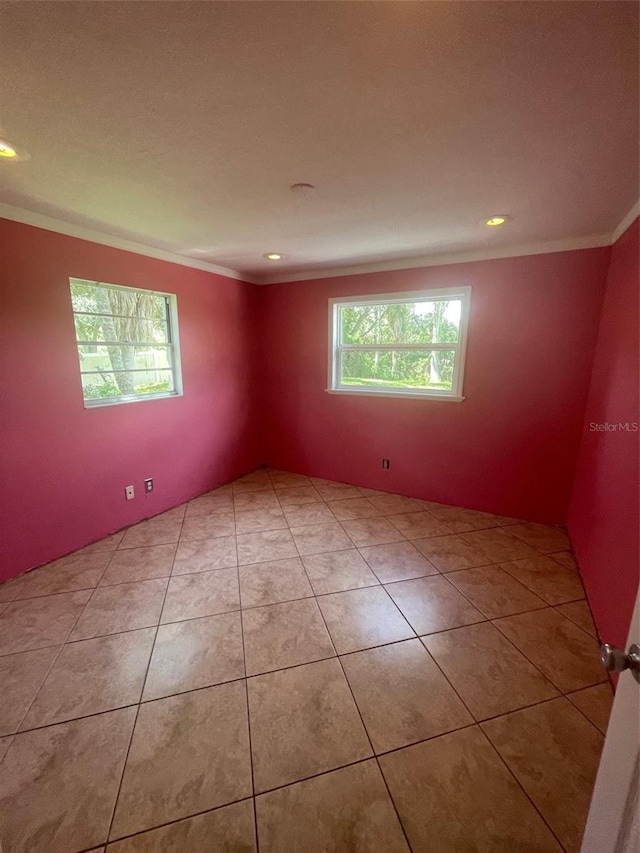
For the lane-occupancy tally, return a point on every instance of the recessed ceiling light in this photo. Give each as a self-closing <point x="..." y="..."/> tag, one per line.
<point x="302" y="188"/>
<point x="7" y="150"/>
<point x="497" y="220"/>
<point x="273" y="256"/>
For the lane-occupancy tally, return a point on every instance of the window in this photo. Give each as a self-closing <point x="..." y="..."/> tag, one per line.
<point x="127" y="343"/>
<point x="399" y="344"/>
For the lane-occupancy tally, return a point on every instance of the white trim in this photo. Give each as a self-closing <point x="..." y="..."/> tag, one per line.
<point x="437" y="260"/>
<point x="405" y="395"/>
<point x="626" y="222"/>
<point x="334" y="348"/>
<point x="38" y="220"/>
<point x="49" y="223"/>
<point x="172" y="345"/>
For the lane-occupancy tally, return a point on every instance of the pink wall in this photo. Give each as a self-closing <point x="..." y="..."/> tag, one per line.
<point x="604" y="511"/>
<point x="63" y="468"/>
<point x="509" y="448"/>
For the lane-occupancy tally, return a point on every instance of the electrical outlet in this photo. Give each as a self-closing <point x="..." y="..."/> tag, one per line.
<point x="148" y="485"/>
<point x="385" y="464"/>
<point x="129" y="493"/>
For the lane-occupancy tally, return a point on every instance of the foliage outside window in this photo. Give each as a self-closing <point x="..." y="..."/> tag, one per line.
<point x="127" y="343"/>
<point x="404" y="344"/>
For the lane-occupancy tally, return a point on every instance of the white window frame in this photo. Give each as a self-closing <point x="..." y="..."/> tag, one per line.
<point x="460" y="348"/>
<point x="173" y="344"/>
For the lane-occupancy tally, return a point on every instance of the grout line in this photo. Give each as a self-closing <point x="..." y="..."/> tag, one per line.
<point x="366" y="731"/>
<point x="169" y="823"/>
<point x="246" y="690"/>
<point x="316" y="597"/>
<point x="139" y="703"/>
<point x="62" y="645"/>
<point x="521" y="786"/>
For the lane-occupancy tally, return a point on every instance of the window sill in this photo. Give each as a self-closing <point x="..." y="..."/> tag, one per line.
<point x="123" y="401"/>
<point x="450" y="398"/>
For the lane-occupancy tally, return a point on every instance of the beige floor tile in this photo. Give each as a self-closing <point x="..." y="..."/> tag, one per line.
<point x="254" y="482"/>
<point x="362" y="618"/>
<point x="92" y="676"/>
<point x="595" y="703"/>
<point x="308" y="513"/>
<point x="123" y="607"/>
<point x="109" y="543"/>
<point x="498" y="545"/>
<point x="418" y="525"/>
<point x="371" y="531"/>
<point x="152" y="532"/>
<point x="139" y="564"/>
<point x="397" y="561"/>
<point x="246" y="501"/>
<point x="209" y="505"/>
<point x="284" y="480"/>
<point x="256" y="520"/>
<point x="176" y="513"/>
<point x="395" y="504"/>
<point x="565" y="558"/>
<point x="372" y="493"/>
<point x="201" y="594"/>
<point x="344" y="510"/>
<point x="568" y="656"/>
<point x="8" y="590"/>
<point x="39" y="622"/>
<point x="204" y="555"/>
<point x="5" y="743"/>
<point x="189" y="753"/>
<point x="303" y="722"/>
<point x="320" y="538"/>
<point x="208" y="526"/>
<point x="265" y="547"/>
<point x="285" y="634"/>
<point x="552" y="582"/>
<point x="270" y="583"/>
<point x="230" y="829"/>
<point x="402" y="695"/>
<point x="329" y="491"/>
<point x="580" y="613"/>
<point x="338" y="571"/>
<point x="554" y="753"/>
<point x="494" y="592"/>
<point x="453" y="793"/>
<point x="65" y="575"/>
<point x="450" y="553"/>
<point x="461" y="520"/>
<point x="21" y="676"/>
<point x="542" y="537"/>
<point x="193" y="654"/>
<point x="298" y="495"/>
<point x="490" y="675"/>
<point x="344" y="811"/>
<point x="433" y="604"/>
<point x="58" y="785"/>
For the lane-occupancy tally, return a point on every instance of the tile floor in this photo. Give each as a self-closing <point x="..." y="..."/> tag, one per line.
<point x="287" y="664"/>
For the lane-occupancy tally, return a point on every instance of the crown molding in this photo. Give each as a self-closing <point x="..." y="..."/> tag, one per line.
<point x="626" y="222"/>
<point x="49" y="223"/>
<point x="437" y="260"/>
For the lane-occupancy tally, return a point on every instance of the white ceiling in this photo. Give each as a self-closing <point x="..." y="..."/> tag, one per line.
<point x="181" y="125"/>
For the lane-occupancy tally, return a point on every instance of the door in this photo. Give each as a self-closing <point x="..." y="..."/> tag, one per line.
<point x="613" y="825"/>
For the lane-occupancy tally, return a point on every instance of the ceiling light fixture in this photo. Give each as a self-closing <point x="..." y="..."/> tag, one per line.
<point x="273" y="256"/>
<point x="7" y="150"/>
<point x="302" y="188"/>
<point x="497" y="220"/>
